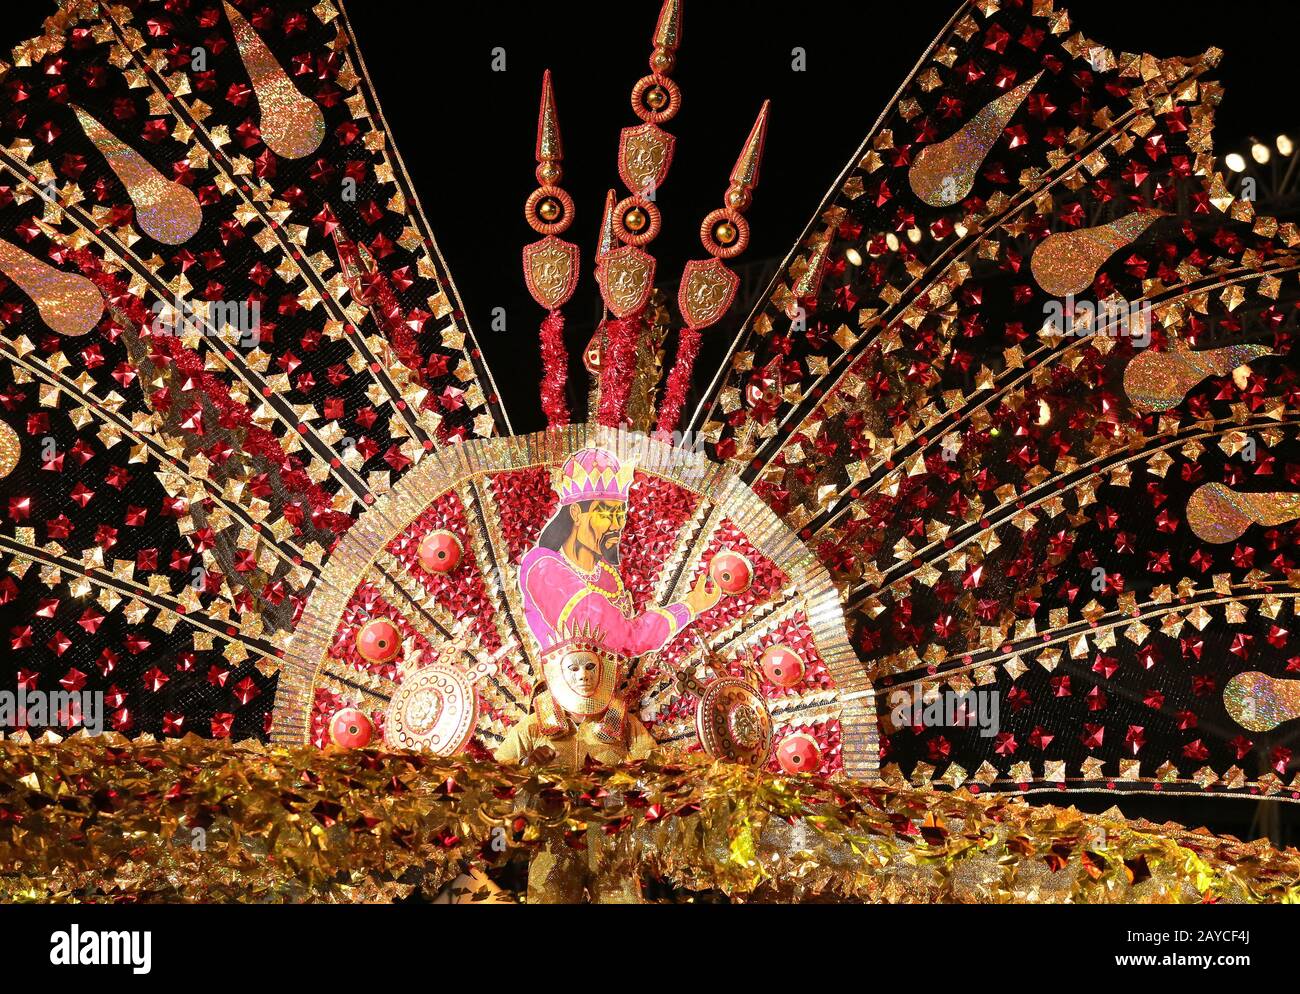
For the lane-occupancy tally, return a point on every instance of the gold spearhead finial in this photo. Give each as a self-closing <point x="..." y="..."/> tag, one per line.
<point x="550" y="149"/>
<point x="608" y="237"/>
<point x="744" y="177"/>
<point x="809" y="284"/>
<point x="708" y="287"/>
<point x="668" y="36"/>
<point x="551" y="264"/>
<point x="549" y="210"/>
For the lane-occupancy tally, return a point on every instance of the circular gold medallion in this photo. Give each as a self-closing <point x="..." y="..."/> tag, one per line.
<point x="733" y="722"/>
<point x="434" y="710"/>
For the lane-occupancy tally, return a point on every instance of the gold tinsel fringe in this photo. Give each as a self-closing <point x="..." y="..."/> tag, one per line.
<point x="195" y="820"/>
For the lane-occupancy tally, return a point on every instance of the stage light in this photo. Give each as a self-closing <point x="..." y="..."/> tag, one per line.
<point x="1235" y="162"/>
<point x="1260" y="153"/>
<point x="1284" y="145"/>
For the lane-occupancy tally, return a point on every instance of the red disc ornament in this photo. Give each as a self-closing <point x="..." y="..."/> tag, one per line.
<point x="781" y="665"/>
<point x="379" y="641"/>
<point x="731" y="572"/>
<point x="440" y="551"/>
<point x="351" y="728"/>
<point x="798" y="753"/>
<point x="591" y="355"/>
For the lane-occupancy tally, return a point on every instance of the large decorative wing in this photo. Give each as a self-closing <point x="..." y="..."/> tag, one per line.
<point x="227" y="330"/>
<point x="1023" y="385"/>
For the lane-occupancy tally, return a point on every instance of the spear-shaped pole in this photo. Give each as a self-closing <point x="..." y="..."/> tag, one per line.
<point x="708" y="286"/>
<point x="551" y="264"/>
<point x="626" y="273"/>
<point x="593" y="356"/>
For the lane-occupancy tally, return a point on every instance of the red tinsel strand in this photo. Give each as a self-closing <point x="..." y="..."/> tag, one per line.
<point x="555" y="370"/>
<point x="617" y="369"/>
<point x="397" y="324"/>
<point x="679" y="382"/>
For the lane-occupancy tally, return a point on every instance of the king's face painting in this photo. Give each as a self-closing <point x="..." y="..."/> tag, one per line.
<point x="598" y="528"/>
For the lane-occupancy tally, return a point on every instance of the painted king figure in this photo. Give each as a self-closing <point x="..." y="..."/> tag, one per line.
<point x="582" y="618"/>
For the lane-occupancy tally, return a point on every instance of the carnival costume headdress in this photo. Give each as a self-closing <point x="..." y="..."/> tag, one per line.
<point x="923" y="484"/>
<point x="566" y="700"/>
<point x="583" y="643"/>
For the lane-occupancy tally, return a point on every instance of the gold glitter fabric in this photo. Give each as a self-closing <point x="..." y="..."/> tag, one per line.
<point x="1158" y="381"/>
<point x="1218" y="514"/>
<point x="10" y="449"/>
<point x="1259" y="703"/>
<point x="1067" y="262"/>
<point x="291" y="125"/>
<point x="944" y="173"/>
<point x="68" y="304"/>
<point x="107" y="819"/>
<point x="166" y="211"/>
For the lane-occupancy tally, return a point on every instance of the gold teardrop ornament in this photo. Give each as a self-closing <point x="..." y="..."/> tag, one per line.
<point x="67" y="303"/>
<point x="1067" y="262"/>
<point x="1157" y="381"/>
<point x="291" y="124"/>
<point x="944" y="174"/>
<point x="1218" y="514"/>
<point x="165" y="211"/>
<point x="10" y="449"/>
<point x="1259" y="702"/>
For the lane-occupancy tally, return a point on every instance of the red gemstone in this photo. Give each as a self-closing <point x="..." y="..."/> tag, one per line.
<point x="781" y="665"/>
<point x="379" y="641"/>
<point x="351" y="729"/>
<point x="440" y="551"/>
<point x="731" y="571"/>
<point x="798" y="753"/>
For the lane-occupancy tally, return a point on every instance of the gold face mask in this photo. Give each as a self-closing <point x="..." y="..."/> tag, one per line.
<point x="581" y="679"/>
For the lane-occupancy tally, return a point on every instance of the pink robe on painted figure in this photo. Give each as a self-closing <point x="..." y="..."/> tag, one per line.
<point x="556" y="595"/>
